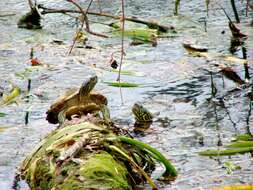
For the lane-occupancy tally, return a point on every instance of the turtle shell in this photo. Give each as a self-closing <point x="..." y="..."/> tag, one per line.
<point x="58" y="105"/>
<point x="70" y="99"/>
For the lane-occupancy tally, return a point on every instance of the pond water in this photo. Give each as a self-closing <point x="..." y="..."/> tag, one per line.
<point x="174" y="85"/>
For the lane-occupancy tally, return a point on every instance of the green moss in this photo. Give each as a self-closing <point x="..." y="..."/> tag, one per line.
<point x="40" y="176"/>
<point x="71" y="183"/>
<point x="101" y="170"/>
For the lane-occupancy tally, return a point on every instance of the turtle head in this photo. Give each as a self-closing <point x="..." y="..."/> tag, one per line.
<point x="88" y="85"/>
<point x="137" y="107"/>
<point x="141" y="114"/>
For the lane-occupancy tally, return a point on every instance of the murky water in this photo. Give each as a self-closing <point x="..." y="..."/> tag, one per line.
<point x="173" y="84"/>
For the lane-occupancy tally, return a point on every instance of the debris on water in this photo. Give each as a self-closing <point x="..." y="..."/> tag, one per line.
<point x="1" y="91"/>
<point x="230" y="167"/>
<point x="235" y="187"/>
<point x="30" y="20"/>
<point x="9" y="98"/>
<point x="236" y="32"/>
<point x="2" y="114"/>
<point x="113" y="63"/>
<point x="190" y="46"/>
<point x="122" y="84"/>
<point x="229" y="73"/>
<point x="35" y="62"/>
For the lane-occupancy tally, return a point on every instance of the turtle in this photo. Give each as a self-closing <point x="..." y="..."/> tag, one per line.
<point x="143" y="117"/>
<point x="78" y="101"/>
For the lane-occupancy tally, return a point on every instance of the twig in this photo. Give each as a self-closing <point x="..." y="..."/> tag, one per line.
<point x="83" y="20"/>
<point x="30" y="4"/>
<point x="122" y="20"/>
<point x="225" y="12"/>
<point x="133" y="19"/>
<point x="235" y="11"/>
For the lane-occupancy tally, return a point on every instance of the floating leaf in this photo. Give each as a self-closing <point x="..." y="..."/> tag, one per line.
<point x="241" y="144"/>
<point x="226" y="152"/>
<point x="146" y="35"/>
<point x="125" y="72"/>
<point x="235" y="187"/>
<point x="122" y="84"/>
<point x="193" y="47"/>
<point x="230" y="74"/>
<point x="9" y="98"/>
<point x="230" y="167"/>
<point x="243" y="137"/>
<point x="217" y="56"/>
<point x="2" y="114"/>
<point x="2" y="129"/>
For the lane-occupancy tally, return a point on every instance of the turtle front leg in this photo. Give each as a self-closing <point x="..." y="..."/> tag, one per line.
<point x="62" y="117"/>
<point x="105" y="113"/>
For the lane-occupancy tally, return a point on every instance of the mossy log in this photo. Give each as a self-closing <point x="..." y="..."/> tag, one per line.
<point x="84" y="156"/>
<point x="75" y="157"/>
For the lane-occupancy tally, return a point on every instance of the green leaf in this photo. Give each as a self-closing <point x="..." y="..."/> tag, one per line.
<point x="125" y="72"/>
<point x="122" y="84"/>
<point x="146" y="35"/>
<point x="226" y="152"/>
<point x="170" y="169"/>
<point x="243" y="137"/>
<point x="10" y="98"/>
<point x="2" y="114"/>
<point x="241" y="144"/>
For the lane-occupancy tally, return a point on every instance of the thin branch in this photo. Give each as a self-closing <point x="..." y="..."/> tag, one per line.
<point x="133" y="19"/>
<point x="83" y="20"/>
<point x="122" y="20"/>
<point x="30" y="4"/>
<point x="235" y="11"/>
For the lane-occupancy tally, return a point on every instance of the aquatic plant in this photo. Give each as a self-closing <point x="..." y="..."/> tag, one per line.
<point x="243" y="144"/>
